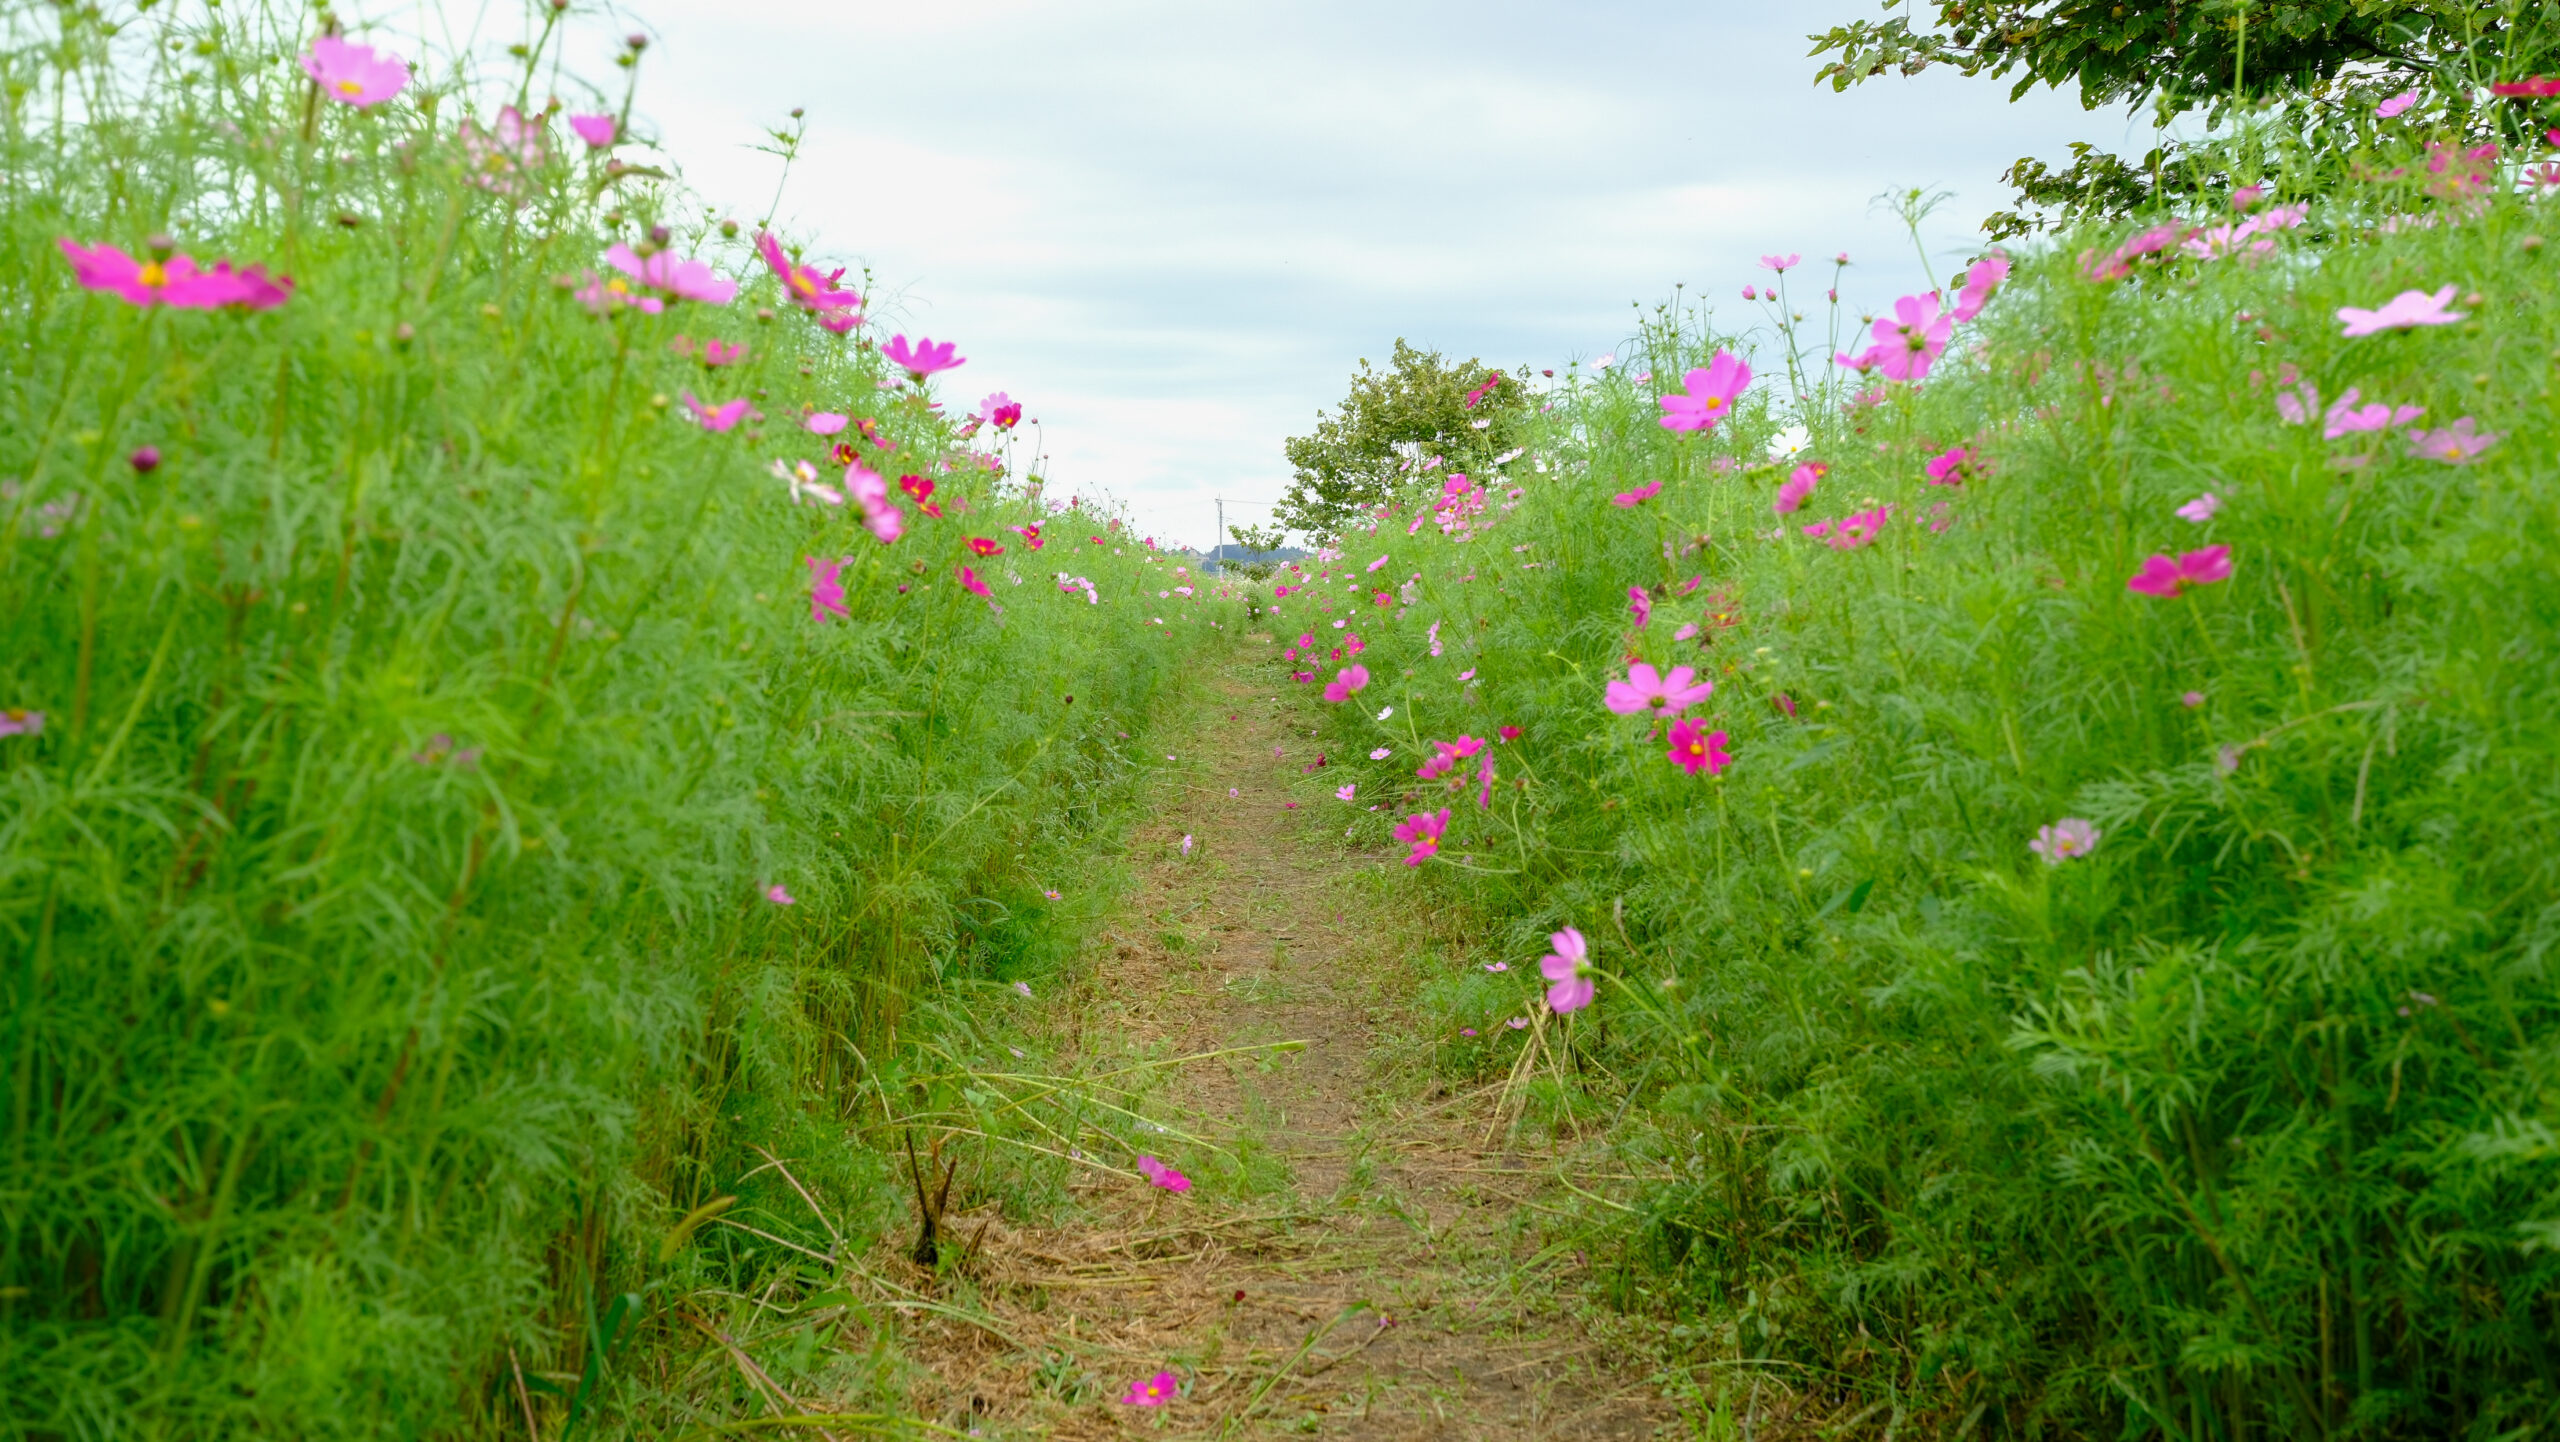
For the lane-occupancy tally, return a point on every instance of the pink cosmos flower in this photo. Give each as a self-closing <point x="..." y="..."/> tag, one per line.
<point x="1373" y="565"/>
<point x="1629" y="500"/>
<point x="924" y="358"/>
<point x="2346" y="418"/>
<point x="824" y="423"/>
<point x="1694" y="748"/>
<point x="1785" y="704"/>
<point x="969" y="582"/>
<point x="609" y="293"/>
<point x="500" y="155"/>
<point x="1510" y="734"/>
<point x="2458" y="444"/>
<point x="1912" y="338"/>
<point x="2202" y="509"/>
<point x="1646" y="689"/>
<point x="174" y="281"/>
<point x="1159" y="1389"/>
<point x="596" y="130"/>
<point x="353" y="74"/>
<point x="806" y="287"/>
<point x="1484" y="797"/>
<point x="2161" y="576"/>
<point x="1780" y="263"/>
<point x="1955" y="467"/>
<point x="921" y="489"/>
<point x="1865" y="360"/>
<point x="1346" y="793"/>
<point x="684" y="279"/>
<point x="1422" y="831"/>
<point x="871" y="491"/>
<point x="1981" y="281"/>
<point x="1640" y="606"/>
<point x="2063" y="840"/>
<point x="2397" y="105"/>
<point x="1857" y="528"/>
<point x="2191" y="699"/>
<point x="802" y="479"/>
<point x="1565" y="967"/>
<point x="826" y="592"/>
<point x="780" y="897"/>
<point x="980" y="545"/>
<point x="1346" y="681"/>
<point x="1382" y="753"/>
<point x="718" y="353"/>
<point x="2408" y="309"/>
<point x="1713" y="388"/>
<point x="722" y="419"/>
<point x="18" y="721"/>
<point x="1798" y="485"/>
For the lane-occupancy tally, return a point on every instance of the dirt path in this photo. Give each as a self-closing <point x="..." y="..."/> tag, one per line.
<point x="1353" y="1260"/>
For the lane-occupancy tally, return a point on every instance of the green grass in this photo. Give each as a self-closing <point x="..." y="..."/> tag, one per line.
<point x="349" y="1078"/>
<point x="2240" y="1125"/>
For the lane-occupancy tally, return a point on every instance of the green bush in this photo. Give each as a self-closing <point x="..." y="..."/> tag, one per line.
<point x="2240" y="1123"/>
<point x="390" y="960"/>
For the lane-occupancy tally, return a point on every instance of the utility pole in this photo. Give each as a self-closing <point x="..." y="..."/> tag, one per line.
<point x="1218" y="542"/>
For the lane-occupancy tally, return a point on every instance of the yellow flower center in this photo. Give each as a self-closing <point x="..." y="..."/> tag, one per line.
<point x="617" y="287"/>
<point x="153" y="274"/>
<point x="351" y="87"/>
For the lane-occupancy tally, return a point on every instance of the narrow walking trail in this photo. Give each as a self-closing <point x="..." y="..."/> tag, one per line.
<point x="1362" y="1256"/>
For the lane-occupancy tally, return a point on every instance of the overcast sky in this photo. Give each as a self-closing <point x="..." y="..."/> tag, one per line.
<point x="1172" y="227"/>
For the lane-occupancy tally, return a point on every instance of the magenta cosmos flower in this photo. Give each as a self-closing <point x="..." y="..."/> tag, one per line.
<point x="780" y="897"/>
<point x="1694" y="748"/>
<point x="1000" y="411"/>
<point x="2070" y="837"/>
<point x="2164" y="577"/>
<point x="1646" y="689"/>
<point x="2346" y="418"/>
<point x="596" y="130"/>
<point x="1981" y="281"/>
<point x="1565" y="967"/>
<point x="1910" y="340"/>
<point x="1713" y="388"/>
<point x="837" y="310"/>
<point x="826" y="592"/>
<point x="2408" y="309"/>
<point x="1629" y="500"/>
<point x="870" y="490"/>
<point x="1798" y="486"/>
<point x="172" y="279"/>
<point x="1346" y="681"/>
<point x="684" y="279"/>
<point x="353" y="74"/>
<point x="2458" y="444"/>
<point x="1422" y="831"/>
<point x="723" y="418"/>
<point x="1155" y="1391"/>
<point x="924" y="358"/>
<point x="970" y="583"/>
<point x="1640" y="606"/>
<point x="1954" y="468"/>
<point x="1155" y="1171"/>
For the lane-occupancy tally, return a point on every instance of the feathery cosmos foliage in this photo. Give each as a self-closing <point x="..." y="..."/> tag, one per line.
<point x="453" y="798"/>
<point x="2064" y="839"/>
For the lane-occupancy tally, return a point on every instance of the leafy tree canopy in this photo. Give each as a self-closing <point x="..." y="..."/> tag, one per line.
<point x="2319" y="64"/>
<point x="1393" y="421"/>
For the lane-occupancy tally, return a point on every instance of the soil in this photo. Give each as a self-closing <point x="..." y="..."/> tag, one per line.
<point x="1395" y="1263"/>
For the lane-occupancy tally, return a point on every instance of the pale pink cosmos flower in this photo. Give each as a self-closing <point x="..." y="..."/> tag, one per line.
<point x="1497" y="966"/>
<point x="837" y="310"/>
<point x="2458" y="444"/>
<point x="2298" y="405"/>
<point x="1713" y="389"/>
<point x="1161" y="1388"/>
<point x="1646" y="689"/>
<point x="596" y="130"/>
<point x="500" y="155"/>
<point x="722" y="418"/>
<point x="1780" y="263"/>
<point x="1910" y="341"/>
<point x="2408" y="309"/>
<point x="2166" y="577"/>
<point x="1797" y="487"/>
<point x="1694" y="748"/>
<point x="780" y="897"/>
<point x="2191" y="699"/>
<point x="1858" y="528"/>
<point x="1422" y="831"/>
<point x="1382" y="753"/>
<point x="824" y="423"/>
<point x="924" y="358"/>
<point x="2202" y="509"/>
<point x="1373" y="565"/>
<point x="1172" y="1181"/>
<point x="1346" y="681"/>
<point x="1346" y="793"/>
<point x="2346" y="418"/>
<point x="18" y="721"/>
<point x="1000" y="411"/>
<point x="826" y="592"/>
<point x="802" y="479"/>
<point x="718" y="353"/>
<point x="353" y="74"/>
<point x="1629" y="500"/>
<point x="684" y="279"/>
<point x="1640" y="606"/>
<point x="870" y="490"/>
<point x="1565" y="967"/>
<point x="2397" y="105"/>
<point x="1981" y="281"/>
<point x="2063" y="840"/>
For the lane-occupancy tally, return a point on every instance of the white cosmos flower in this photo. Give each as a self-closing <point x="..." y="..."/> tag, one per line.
<point x="1790" y="443"/>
